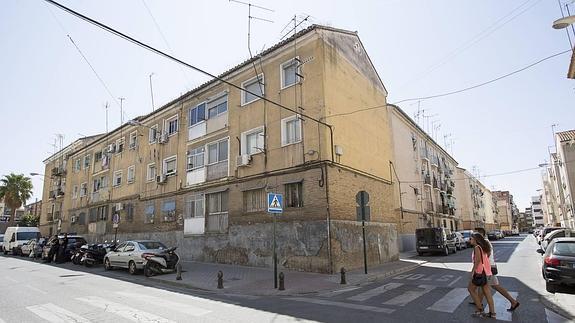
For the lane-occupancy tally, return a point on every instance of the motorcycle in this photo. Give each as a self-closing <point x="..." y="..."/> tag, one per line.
<point x="94" y="254"/>
<point x="161" y="263"/>
<point x="77" y="256"/>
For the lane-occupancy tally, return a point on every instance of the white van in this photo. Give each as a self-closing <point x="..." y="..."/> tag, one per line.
<point x="14" y="238"/>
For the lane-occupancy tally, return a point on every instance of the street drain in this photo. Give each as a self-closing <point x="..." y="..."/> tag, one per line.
<point x="73" y="275"/>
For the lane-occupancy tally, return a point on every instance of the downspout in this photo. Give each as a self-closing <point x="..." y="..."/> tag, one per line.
<point x="324" y="182"/>
<point x="391" y="165"/>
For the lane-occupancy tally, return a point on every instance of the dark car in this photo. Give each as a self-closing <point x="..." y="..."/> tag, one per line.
<point x="435" y="240"/>
<point x="74" y="242"/>
<point x="559" y="263"/>
<point x="492" y="235"/>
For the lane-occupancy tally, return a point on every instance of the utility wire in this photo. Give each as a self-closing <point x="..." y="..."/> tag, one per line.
<point x="454" y="92"/>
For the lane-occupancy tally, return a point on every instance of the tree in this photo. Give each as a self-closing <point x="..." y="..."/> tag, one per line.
<point x="15" y="190"/>
<point x="29" y="220"/>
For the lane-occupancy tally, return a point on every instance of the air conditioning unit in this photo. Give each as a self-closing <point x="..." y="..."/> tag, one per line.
<point x="243" y="160"/>
<point x="163" y="138"/>
<point x="119" y="206"/>
<point x="161" y="179"/>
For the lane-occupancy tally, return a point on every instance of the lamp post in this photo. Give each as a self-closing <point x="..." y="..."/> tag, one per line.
<point x="562" y="24"/>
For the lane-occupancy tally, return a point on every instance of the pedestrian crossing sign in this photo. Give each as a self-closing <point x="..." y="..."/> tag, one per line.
<point x="275" y="203"/>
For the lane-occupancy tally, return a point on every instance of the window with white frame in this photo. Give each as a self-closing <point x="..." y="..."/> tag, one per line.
<point x="293" y="196"/>
<point x="131" y="174"/>
<point x="133" y="140"/>
<point x="151" y="173"/>
<point x="255" y="85"/>
<point x="97" y="156"/>
<point x="149" y="211"/>
<point x="194" y="206"/>
<point x="97" y="184"/>
<point x="218" y="151"/>
<point x="255" y="200"/>
<point x="153" y="134"/>
<point x="172" y="125"/>
<point x="217" y="106"/>
<point x="195" y="158"/>
<point x="83" y="189"/>
<point x="75" y="192"/>
<point x="291" y="130"/>
<point x="169" y="166"/>
<point x="253" y="141"/>
<point x="120" y="145"/>
<point x="197" y="114"/>
<point x="86" y="161"/>
<point x="217" y="202"/>
<point x="118" y="178"/>
<point x="169" y="211"/>
<point x="289" y="73"/>
<point x="77" y="164"/>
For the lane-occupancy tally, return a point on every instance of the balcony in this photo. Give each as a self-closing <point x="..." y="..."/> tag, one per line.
<point x="56" y="215"/>
<point x="435" y="185"/>
<point x="434" y="161"/>
<point x="216" y="123"/>
<point x="196" y="176"/>
<point x="217" y="170"/>
<point x="424" y="154"/>
<point x="217" y="223"/>
<point x="428" y="206"/>
<point x="445" y="209"/>
<point x="58" y="171"/>
<point x="427" y="180"/>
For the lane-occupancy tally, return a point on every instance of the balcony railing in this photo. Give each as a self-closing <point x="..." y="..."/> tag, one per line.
<point x="435" y="183"/>
<point x="423" y="153"/>
<point x="427" y="179"/>
<point x="217" y="223"/>
<point x="218" y="170"/>
<point x="58" y="171"/>
<point x="428" y="206"/>
<point x="445" y="209"/>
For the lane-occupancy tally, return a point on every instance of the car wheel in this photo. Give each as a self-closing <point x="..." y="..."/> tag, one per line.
<point x="107" y="265"/>
<point x="420" y="253"/>
<point x="551" y="288"/>
<point x="132" y="268"/>
<point x="446" y="251"/>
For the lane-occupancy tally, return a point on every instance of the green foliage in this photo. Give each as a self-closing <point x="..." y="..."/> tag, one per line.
<point x="29" y="220"/>
<point x="15" y="190"/>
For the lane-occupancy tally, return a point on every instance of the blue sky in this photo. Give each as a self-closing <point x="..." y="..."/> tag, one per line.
<point x="47" y="88"/>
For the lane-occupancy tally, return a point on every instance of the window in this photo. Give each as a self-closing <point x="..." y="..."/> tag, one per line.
<point x="255" y="200"/>
<point x="195" y="206"/>
<point x="291" y="130"/>
<point x="82" y="218"/>
<point x="78" y="165"/>
<point x="149" y="213"/>
<point x="197" y="114"/>
<point x="218" y="152"/>
<point x="86" y="161"/>
<point x="151" y="174"/>
<point x="172" y="125"/>
<point x="83" y="189"/>
<point x="217" y="106"/>
<point x="120" y="145"/>
<point x="129" y="208"/>
<point x="153" y="134"/>
<point x="169" y="166"/>
<point x="169" y="211"/>
<point x="131" y="174"/>
<point x="294" y="195"/>
<point x="97" y="156"/>
<point x="93" y="215"/>
<point x="97" y="185"/>
<point x="75" y="192"/>
<point x="195" y="158"/>
<point x="289" y="73"/>
<point x="253" y="141"/>
<point x="217" y="202"/>
<point x="133" y="140"/>
<point x="254" y="85"/>
<point x="102" y="213"/>
<point x="118" y="178"/>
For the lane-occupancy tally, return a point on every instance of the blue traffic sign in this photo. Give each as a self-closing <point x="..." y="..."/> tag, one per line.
<point x="275" y="203"/>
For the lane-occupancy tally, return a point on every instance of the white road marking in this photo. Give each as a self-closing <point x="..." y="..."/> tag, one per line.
<point x="337" y="292"/>
<point x="36" y="289"/>
<point x="450" y="301"/>
<point x="374" y="292"/>
<point x="183" y="308"/>
<point x="553" y="317"/>
<point x="124" y="311"/>
<point x="341" y="304"/>
<point x="410" y="296"/>
<point x="455" y="281"/>
<point x="501" y="305"/>
<point x="55" y="314"/>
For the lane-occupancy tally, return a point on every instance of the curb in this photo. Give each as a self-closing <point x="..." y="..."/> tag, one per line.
<point x="549" y="304"/>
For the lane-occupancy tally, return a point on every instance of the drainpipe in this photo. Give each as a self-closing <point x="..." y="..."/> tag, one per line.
<point x="325" y="183"/>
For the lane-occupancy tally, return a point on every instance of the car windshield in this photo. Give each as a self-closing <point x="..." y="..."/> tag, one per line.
<point x="27" y="235"/>
<point x="77" y="241"/>
<point x="151" y="245"/>
<point x="564" y="248"/>
<point x="428" y="235"/>
<point x="466" y="234"/>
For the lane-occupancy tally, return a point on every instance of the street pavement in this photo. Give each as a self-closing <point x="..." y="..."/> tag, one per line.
<point x="419" y="289"/>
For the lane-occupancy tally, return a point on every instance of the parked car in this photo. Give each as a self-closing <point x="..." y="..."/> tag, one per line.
<point x="555" y="234"/>
<point x="499" y="234"/>
<point x="460" y="243"/>
<point x="15" y="237"/>
<point x="545" y="231"/>
<point x="132" y="255"/>
<point x="435" y="240"/>
<point x="466" y="235"/>
<point x="558" y="263"/>
<point x="38" y="244"/>
<point x="74" y="242"/>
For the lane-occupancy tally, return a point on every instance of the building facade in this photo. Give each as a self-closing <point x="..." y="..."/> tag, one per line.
<point x="196" y="172"/>
<point x="565" y="161"/>
<point x="537" y="212"/>
<point x="470" y="200"/>
<point x="505" y="207"/>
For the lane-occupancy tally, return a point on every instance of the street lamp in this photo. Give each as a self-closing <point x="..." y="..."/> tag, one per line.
<point x="563" y="22"/>
<point x="36" y="174"/>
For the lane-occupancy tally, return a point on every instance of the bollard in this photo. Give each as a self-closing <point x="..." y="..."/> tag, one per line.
<point x="220" y="279"/>
<point x="179" y="271"/>
<point x="343" y="281"/>
<point x="282" y="287"/>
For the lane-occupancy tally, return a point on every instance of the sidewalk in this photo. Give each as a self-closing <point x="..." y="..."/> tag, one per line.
<point x="259" y="281"/>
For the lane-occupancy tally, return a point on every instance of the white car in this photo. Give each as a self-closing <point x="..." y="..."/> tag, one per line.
<point x="132" y="255"/>
<point x="460" y="242"/>
<point x="15" y="237"/>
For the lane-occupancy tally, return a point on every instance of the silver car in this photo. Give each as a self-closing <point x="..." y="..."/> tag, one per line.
<point x="132" y="255"/>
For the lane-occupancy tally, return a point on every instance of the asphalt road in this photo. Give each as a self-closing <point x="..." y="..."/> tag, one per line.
<point x="435" y="292"/>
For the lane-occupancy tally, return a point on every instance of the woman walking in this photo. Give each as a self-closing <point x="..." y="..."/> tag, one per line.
<point x="480" y="275"/>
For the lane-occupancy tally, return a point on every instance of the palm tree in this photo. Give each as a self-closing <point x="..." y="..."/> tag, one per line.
<point x="15" y="190"/>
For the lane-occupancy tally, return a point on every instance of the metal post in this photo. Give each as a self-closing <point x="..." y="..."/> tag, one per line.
<point x="220" y="280"/>
<point x="343" y="281"/>
<point x="275" y="257"/>
<point x="282" y="277"/>
<point x="364" y="247"/>
<point x="115" y="234"/>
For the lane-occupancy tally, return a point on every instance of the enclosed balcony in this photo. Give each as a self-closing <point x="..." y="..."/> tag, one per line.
<point x="217" y="170"/>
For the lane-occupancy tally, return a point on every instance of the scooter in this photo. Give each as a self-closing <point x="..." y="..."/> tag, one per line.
<point x="161" y="263"/>
<point x="94" y="255"/>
